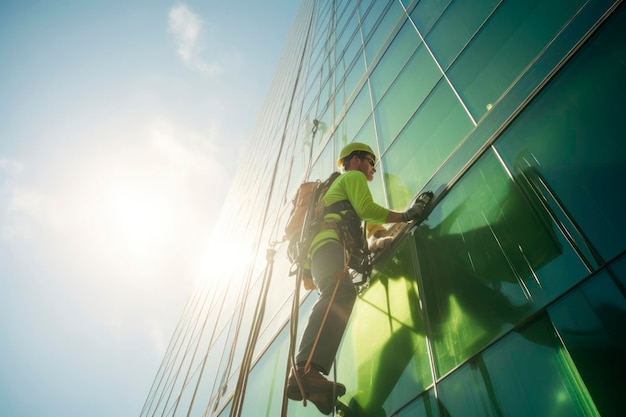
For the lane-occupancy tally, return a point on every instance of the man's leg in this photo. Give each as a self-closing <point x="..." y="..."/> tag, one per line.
<point x="331" y="311"/>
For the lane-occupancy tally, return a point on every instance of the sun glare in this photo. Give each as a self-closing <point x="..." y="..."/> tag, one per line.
<point x="224" y="259"/>
<point x="141" y="217"/>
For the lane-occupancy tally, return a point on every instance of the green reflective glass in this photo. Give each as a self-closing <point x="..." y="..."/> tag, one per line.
<point x="514" y="35"/>
<point x="529" y="373"/>
<point x="423" y="145"/>
<point x="403" y="46"/>
<point x="345" y="15"/>
<point x="300" y="153"/>
<point x="383" y="359"/>
<point x="338" y="78"/>
<point x="386" y="25"/>
<point x="489" y="255"/>
<point x="424" y="406"/>
<point x="346" y="29"/>
<point x="619" y="268"/>
<point x="426" y="13"/>
<point x="590" y="321"/>
<point x="278" y="300"/>
<point x="324" y="111"/>
<point x="353" y="46"/>
<point x="226" y="411"/>
<point x="324" y="164"/>
<point x="456" y="27"/>
<point x="264" y="390"/>
<point x="367" y="135"/>
<point x="371" y="14"/>
<point x="356" y="115"/>
<point x="347" y="89"/>
<point x="405" y="96"/>
<point x="214" y="366"/>
<point x="569" y="143"/>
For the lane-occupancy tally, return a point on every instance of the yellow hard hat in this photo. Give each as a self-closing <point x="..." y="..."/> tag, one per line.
<point x="354" y="147"/>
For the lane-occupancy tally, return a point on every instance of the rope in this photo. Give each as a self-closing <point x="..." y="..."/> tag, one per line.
<point x="231" y="353"/>
<point x="206" y="355"/>
<point x="295" y="307"/>
<point x="195" y="351"/>
<point x="239" y="395"/>
<point x="255" y="329"/>
<point x="293" y="329"/>
<point x="185" y="323"/>
<point x="166" y="358"/>
<point x="307" y="366"/>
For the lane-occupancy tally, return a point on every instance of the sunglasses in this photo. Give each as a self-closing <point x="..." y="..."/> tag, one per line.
<point x="370" y="160"/>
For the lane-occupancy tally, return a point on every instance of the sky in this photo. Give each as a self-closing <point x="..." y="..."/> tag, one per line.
<point x="121" y="126"/>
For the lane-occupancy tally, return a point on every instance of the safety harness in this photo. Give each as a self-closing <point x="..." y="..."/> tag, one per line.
<point x="351" y="234"/>
<point x="356" y="257"/>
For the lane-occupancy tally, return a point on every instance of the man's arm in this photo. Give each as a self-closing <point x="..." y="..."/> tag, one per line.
<point x="394" y="217"/>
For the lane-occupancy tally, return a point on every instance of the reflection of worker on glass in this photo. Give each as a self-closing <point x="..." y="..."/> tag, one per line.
<point x="348" y="200"/>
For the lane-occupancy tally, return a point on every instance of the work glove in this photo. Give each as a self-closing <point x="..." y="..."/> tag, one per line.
<point x="376" y="244"/>
<point x="418" y="206"/>
<point x="378" y="238"/>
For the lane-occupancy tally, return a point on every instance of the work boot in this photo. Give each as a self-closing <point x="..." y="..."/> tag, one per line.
<point x="324" y="401"/>
<point x="312" y="382"/>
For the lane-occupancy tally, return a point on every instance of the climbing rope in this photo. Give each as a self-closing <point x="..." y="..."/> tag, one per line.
<point x="255" y="329"/>
<point x="239" y="395"/>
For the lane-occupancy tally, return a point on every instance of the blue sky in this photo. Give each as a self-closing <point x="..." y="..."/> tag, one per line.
<point x="121" y="124"/>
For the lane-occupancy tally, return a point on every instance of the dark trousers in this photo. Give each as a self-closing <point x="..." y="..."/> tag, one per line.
<point x="327" y="268"/>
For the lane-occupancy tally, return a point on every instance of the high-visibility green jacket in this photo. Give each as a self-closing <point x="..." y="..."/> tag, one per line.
<point x="351" y="186"/>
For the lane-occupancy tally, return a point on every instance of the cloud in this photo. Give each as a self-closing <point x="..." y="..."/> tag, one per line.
<point x="25" y="209"/>
<point x="10" y="168"/>
<point x="187" y="28"/>
<point x="17" y="202"/>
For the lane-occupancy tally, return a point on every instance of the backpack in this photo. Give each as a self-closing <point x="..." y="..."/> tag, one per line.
<point x="307" y="219"/>
<point x="308" y="206"/>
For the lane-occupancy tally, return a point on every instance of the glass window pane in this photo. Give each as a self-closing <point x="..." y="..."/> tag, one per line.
<point x="527" y="374"/>
<point x="300" y="155"/>
<point x="385" y="368"/>
<point x="590" y="321"/>
<point x="367" y="135"/>
<point x="326" y="121"/>
<point x="424" y="406"/>
<point x="266" y="380"/>
<point x="324" y="94"/>
<point x="226" y="411"/>
<point x="405" y="95"/>
<point x="353" y="121"/>
<point x="426" y="13"/>
<point x="619" y="268"/>
<point x="456" y="27"/>
<point x="354" y="75"/>
<point x="569" y="142"/>
<point x="347" y="89"/>
<point x="354" y="46"/>
<point x="370" y="15"/>
<point x="278" y="301"/>
<point x="488" y="256"/>
<point x="208" y="386"/>
<point x="346" y="17"/>
<point x="427" y="140"/>
<point x="382" y="31"/>
<point x="324" y="165"/>
<point x="353" y="40"/>
<point x="516" y="33"/>
<point x="394" y="59"/>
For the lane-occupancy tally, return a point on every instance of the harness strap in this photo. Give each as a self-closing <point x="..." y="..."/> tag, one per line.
<point x="337" y="207"/>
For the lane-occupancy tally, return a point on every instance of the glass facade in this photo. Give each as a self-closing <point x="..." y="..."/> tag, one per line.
<point x="510" y="299"/>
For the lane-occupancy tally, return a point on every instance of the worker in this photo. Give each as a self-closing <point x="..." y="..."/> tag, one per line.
<point x="328" y="318"/>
